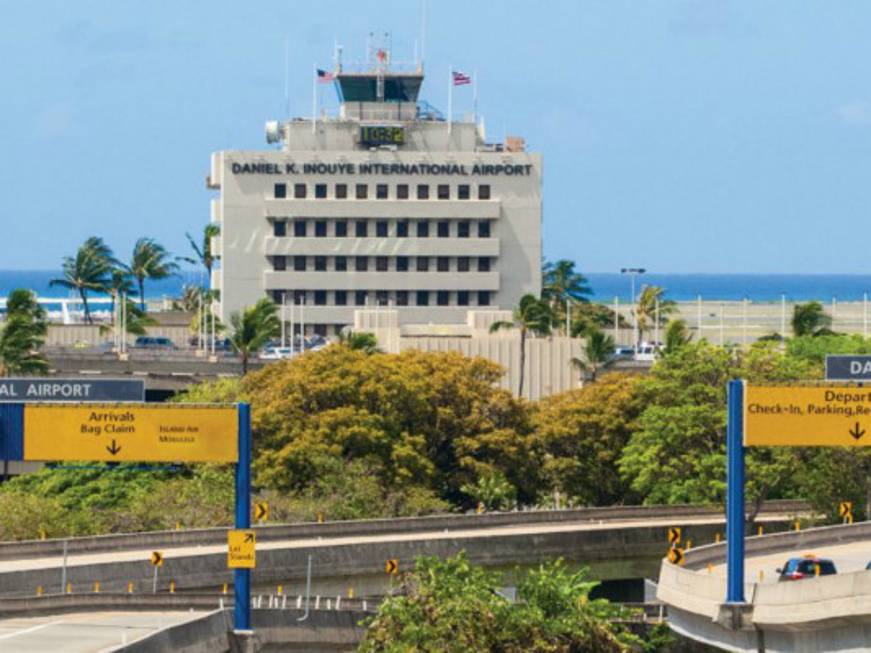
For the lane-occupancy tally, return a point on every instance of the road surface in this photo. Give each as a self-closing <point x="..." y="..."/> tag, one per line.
<point x="92" y="632"/>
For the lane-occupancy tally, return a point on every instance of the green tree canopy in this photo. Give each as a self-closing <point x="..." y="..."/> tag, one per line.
<point x="150" y="260"/>
<point x="23" y="334"/>
<point x="598" y="351"/>
<point x="251" y="329"/>
<point x="810" y="320"/>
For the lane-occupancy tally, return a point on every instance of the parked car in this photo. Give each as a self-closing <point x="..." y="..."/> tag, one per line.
<point x="808" y="566"/>
<point x="153" y="342"/>
<point x="275" y="353"/>
<point x="646" y="352"/>
<point x="623" y="353"/>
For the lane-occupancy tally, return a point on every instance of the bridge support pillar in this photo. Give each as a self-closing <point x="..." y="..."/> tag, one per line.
<point x="735" y="493"/>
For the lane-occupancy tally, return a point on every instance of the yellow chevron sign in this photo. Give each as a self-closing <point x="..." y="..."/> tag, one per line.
<point x="118" y="432"/>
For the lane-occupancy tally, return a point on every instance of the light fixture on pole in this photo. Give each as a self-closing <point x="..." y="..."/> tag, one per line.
<point x="633" y="272"/>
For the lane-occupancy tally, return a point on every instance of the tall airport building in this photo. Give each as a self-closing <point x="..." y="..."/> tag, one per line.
<point x="388" y="204"/>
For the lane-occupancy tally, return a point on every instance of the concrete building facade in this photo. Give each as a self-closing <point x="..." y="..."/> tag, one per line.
<point x="387" y="204"/>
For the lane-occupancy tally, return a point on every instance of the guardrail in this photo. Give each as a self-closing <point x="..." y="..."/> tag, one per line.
<point x="305" y="530"/>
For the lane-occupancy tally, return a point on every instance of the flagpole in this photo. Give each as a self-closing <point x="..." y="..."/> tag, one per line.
<point x="450" y="97"/>
<point x="475" y="98"/>
<point x="314" y="98"/>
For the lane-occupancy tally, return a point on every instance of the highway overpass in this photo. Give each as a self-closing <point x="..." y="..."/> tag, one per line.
<point x="827" y="613"/>
<point x="616" y="543"/>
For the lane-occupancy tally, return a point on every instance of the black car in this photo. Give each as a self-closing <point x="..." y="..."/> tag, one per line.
<point x="806" y="567"/>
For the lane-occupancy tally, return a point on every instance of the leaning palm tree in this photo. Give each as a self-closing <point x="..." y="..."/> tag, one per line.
<point x="251" y="329"/>
<point x="651" y="305"/>
<point x="810" y="320"/>
<point x="203" y="250"/>
<point x="150" y="261"/>
<point x="598" y="352"/>
<point x="561" y="285"/>
<point x="532" y="315"/>
<point x="89" y="270"/>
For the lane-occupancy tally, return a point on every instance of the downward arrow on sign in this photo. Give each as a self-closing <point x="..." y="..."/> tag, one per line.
<point x="114" y="449"/>
<point x="857" y="431"/>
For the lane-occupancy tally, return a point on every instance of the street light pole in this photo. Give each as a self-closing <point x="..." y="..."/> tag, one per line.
<point x="633" y="272"/>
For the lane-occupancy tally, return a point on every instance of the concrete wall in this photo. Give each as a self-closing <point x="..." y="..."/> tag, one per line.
<point x="72" y="335"/>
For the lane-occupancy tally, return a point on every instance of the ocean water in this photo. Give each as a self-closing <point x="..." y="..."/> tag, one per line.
<point x="606" y="286"/>
<point x="38" y="281"/>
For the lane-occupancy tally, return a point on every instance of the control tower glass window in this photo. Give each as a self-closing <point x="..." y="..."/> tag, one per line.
<point x="280" y="191"/>
<point x="422" y="192"/>
<point x="320" y="191"/>
<point x="402" y="192"/>
<point x="362" y="191"/>
<point x="484" y="192"/>
<point x="463" y="191"/>
<point x="381" y="191"/>
<point x="341" y="191"/>
<point x="444" y="192"/>
<point x="299" y="191"/>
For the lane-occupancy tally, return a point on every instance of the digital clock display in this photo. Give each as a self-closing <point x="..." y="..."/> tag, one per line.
<point x="382" y="135"/>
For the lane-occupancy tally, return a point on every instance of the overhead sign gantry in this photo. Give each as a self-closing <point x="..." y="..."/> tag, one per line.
<point x="179" y="433"/>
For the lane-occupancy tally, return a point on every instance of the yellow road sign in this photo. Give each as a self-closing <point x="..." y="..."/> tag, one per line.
<point x="845" y="508"/>
<point x="157" y="558"/>
<point x="241" y="546"/>
<point x="807" y="416"/>
<point x="113" y="432"/>
<point x="392" y="567"/>
<point x="675" y="556"/>
<point x="674" y="535"/>
<point x="261" y="511"/>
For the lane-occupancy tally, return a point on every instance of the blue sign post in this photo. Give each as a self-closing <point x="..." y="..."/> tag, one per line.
<point x="735" y="493"/>
<point x="242" y="577"/>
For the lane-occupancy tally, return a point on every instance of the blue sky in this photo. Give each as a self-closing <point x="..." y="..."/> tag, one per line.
<point x="683" y="136"/>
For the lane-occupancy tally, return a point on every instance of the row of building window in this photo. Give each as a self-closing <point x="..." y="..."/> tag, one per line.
<point x="384" y="228"/>
<point x="381" y="263"/>
<point x="382" y="297"/>
<point x="382" y="191"/>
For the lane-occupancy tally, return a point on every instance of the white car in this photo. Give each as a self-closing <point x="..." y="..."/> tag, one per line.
<point x="275" y="353"/>
<point x="646" y="352"/>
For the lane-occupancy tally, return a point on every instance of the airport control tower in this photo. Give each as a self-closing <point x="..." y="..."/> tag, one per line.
<point x="391" y="202"/>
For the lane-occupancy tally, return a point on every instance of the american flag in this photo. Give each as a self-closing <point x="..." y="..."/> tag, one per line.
<point x="324" y="77"/>
<point x="461" y="78"/>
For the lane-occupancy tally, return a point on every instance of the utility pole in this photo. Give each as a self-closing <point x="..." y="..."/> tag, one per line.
<point x="633" y="272"/>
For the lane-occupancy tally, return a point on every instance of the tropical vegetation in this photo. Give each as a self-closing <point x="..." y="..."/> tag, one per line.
<point x="90" y="270"/>
<point x="252" y="328"/>
<point x="23" y="334"/>
<point x="533" y="316"/>
<point x="150" y="260"/>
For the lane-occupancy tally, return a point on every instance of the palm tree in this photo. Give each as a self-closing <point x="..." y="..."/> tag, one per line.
<point x="360" y="340"/>
<point x="252" y="329"/>
<point x="204" y="250"/>
<point x="532" y="315"/>
<point x="650" y="301"/>
<point x="561" y="284"/>
<point x="677" y="334"/>
<point x="150" y="261"/>
<point x="119" y="283"/>
<point x="88" y="270"/>
<point x="598" y="351"/>
<point x="23" y="334"/>
<point x="810" y="320"/>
